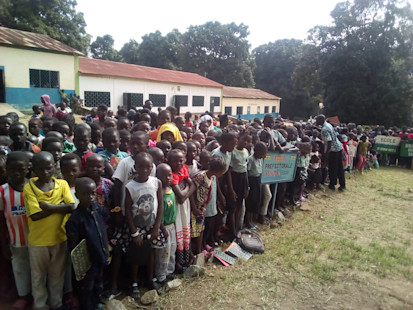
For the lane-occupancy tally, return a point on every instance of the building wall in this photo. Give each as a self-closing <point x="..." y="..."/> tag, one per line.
<point x="17" y="62"/>
<point x="118" y="86"/>
<point x="251" y="107"/>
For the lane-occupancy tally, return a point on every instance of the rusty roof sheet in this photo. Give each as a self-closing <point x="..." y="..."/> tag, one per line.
<point x="118" y="69"/>
<point x="27" y="39"/>
<point x="250" y="93"/>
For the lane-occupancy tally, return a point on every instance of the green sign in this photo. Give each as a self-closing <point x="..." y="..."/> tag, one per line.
<point x="387" y="144"/>
<point x="406" y="149"/>
<point x="279" y="167"/>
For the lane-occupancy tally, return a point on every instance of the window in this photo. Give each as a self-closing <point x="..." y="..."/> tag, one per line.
<point x="215" y="101"/>
<point x="181" y="101"/>
<point x="132" y="100"/>
<point x="258" y="109"/>
<point x="158" y="100"/>
<point x="197" y="101"/>
<point x="228" y="110"/>
<point x="266" y="109"/>
<point x="44" y="79"/>
<point x="274" y="109"/>
<point x="239" y="110"/>
<point x="96" y="98"/>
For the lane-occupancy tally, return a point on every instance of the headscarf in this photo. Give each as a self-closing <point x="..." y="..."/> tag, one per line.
<point x="169" y="127"/>
<point x="48" y="108"/>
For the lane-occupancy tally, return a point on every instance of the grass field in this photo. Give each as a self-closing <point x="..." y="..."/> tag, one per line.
<point x="352" y="250"/>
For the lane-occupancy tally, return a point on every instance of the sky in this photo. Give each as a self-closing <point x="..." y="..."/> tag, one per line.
<point x="268" y="20"/>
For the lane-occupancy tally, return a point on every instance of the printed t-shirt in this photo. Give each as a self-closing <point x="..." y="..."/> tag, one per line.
<point x="169" y="208"/>
<point x="113" y="159"/>
<point x="144" y="201"/>
<point x="12" y="203"/>
<point x="49" y="230"/>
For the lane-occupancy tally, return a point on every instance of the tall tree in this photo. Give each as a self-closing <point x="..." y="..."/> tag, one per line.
<point x="219" y="52"/>
<point x="160" y="51"/>
<point x="102" y="48"/>
<point x="55" y="18"/>
<point x="366" y="61"/>
<point x="276" y="63"/>
<point x="130" y="52"/>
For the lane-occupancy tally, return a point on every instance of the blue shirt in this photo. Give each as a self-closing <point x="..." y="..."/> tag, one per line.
<point x="90" y="226"/>
<point x="328" y="134"/>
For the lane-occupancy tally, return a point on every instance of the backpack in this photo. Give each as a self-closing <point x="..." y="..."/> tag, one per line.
<point x="250" y="241"/>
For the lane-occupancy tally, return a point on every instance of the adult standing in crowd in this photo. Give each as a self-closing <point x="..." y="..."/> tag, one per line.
<point x="333" y="153"/>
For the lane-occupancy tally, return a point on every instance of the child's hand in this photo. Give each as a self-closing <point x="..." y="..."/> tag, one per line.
<point x="203" y="211"/>
<point x="197" y="212"/>
<point x="137" y="241"/>
<point x="44" y="205"/>
<point x="165" y="233"/>
<point x="154" y="233"/>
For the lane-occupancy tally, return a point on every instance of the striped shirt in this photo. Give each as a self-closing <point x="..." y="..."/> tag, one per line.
<point x="12" y="204"/>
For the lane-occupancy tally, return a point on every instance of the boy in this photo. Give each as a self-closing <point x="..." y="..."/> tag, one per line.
<point x="18" y="134"/>
<point x="5" y="123"/>
<point x="157" y="155"/>
<point x="35" y="126"/>
<point x="64" y="129"/>
<point x="88" y="222"/>
<point x="112" y="155"/>
<point x="36" y="111"/>
<point x="165" y="257"/>
<point x="47" y="201"/>
<point x="54" y="146"/>
<point x="82" y="140"/>
<point x="70" y="170"/>
<point x="13" y="213"/>
<point x="101" y="113"/>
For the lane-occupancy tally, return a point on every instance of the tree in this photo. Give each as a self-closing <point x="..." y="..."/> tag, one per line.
<point x="55" y="18"/>
<point x="366" y="61"/>
<point x="102" y="48"/>
<point x="160" y="51"/>
<point x="276" y="63"/>
<point x="130" y="52"/>
<point x="219" y="52"/>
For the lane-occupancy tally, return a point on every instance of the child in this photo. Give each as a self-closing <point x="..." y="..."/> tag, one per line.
<point x="165" y="257"/>
<point x="62" y="110"/>
<point x="13" y="213"/>
<point x="3" y="172"/>
<point x="81" y="140"/>
<point x="87" y="222"/>
<point x="18" y="134"/>
<point x="5" y="123"/>
<point x="47" y="201"/>
<point x="169" y="132"/>
<point x="157" y="155"/>
<point x="252" y="202"/>
<point x="301" y="174"/>
<point x="163" y="118"/>
<point x="200" y="137"/>
<point x="64" y="129"/>
<point x="183" y="189"/>
<point x="180" y="145"/>
<point x="239" y="176"/>
<point x="203" y="182"/>
<point x="47" y="125"/>
<point x="49" y="109"/>
<point x="314" y="169"/>
<point x="101" y="113"/>
<point x="70" y="168"/>
<point x="143" y="214"/>
<point x="362" y="149"/>
<point x="36" y="112"/>
<point x="165" y="146"/>
<point x="96" y="137"/>
<point x="124" y="140"/>
<point x="54" y="146"/>
<point x="124" y="124"/>
<point x="94" y="167"/>
<point x="112" y="155"/>
<point x="190" y="158"/>
<point x="35" y="126"/>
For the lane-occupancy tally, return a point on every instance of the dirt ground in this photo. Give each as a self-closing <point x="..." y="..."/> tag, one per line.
<point x="352" y="250"/>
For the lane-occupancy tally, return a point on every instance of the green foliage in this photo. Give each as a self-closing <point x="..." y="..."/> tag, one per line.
<point x="366" y="58"/>
<point x="55" y="18"/>
<point x="102" y="48"/>
<point x="130" y="52"/>
<point x="219" y="52"/>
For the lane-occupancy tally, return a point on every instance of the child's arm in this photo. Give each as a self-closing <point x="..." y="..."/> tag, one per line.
<point x="108" y="170"/>
<point x="158" y="219"/>
<point x="228" y="177"/>
<point x="137" y="240"/>
<point x="60" y="208"/>
<point x="182" y="195"/>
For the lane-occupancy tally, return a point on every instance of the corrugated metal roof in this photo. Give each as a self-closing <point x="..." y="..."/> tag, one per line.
<point x="250" y="93"/>
<point x="118" y="69"/>
<point x="15" y="37"/>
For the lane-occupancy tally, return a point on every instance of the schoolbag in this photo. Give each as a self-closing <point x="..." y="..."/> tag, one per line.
<point x="250" y="241"/>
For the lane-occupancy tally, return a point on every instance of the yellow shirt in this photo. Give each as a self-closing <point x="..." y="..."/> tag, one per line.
<point x="51" y="229"/>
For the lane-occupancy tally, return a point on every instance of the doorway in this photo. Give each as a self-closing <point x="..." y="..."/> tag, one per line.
<point x="2" y="86"/>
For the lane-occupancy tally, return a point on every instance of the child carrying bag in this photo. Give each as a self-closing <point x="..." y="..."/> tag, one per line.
<point x="250" y="241"/>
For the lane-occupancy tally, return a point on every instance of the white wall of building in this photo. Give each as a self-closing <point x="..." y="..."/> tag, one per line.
<point x="118" y="86"/>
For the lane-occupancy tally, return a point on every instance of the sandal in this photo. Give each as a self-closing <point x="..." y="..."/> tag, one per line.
<point x="135" y="294"/>
<point x="113" y="294"/>
<point x="255" y="227"/>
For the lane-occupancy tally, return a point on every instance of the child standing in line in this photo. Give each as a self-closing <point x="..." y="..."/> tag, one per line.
<point x="94" y="167"/>
<point x="13" y="214"/>
<point x="64" y="129"/>
<point x="70" y="168"/>
<point x="82" y="140"/>
<point x="47" y="201"/>
<point x="183" y="189"/>
<point x="54" y="146"/>
<point x="36" y="111"/>
<point x="362" y="150"/>
<point x="165" y="257"/>
<point x="314" y="169"/>
<point x="87" y="222"/>
<point x="35" y="126"/>
<point x="252" y="203"/>
<point x="203" y="182"/>
<point x="144" y="215"/>
<point x="239" y="176"/>
<point x="190" y="158"/>
<point x="112" y="155"/>
<point x="18" y="134"/>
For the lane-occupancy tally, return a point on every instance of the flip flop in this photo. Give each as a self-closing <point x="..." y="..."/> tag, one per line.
<point x="255" y="227"/>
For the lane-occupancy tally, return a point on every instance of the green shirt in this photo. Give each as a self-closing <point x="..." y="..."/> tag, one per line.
<point x="169" y="208"/>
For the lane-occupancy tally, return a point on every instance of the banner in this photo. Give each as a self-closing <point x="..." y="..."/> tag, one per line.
<point x="279" y="167"/>
<point x="387" y="144"/>
<point x="406" y="149"/>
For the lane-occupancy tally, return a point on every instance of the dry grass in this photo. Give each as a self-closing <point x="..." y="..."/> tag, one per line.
<point x="352" y="250"/>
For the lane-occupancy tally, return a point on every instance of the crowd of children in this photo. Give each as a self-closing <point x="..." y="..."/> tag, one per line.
<point x="146" y="189"/>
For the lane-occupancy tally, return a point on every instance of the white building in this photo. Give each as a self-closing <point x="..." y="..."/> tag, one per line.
<point x="115" y="84"/>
